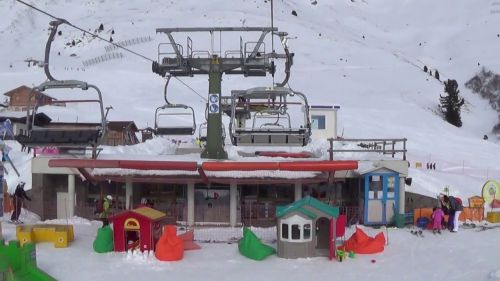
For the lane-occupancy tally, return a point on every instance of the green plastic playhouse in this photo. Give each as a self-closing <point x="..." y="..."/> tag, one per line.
<point x="19" y="263"/>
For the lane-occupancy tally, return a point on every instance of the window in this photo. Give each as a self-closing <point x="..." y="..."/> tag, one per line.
<point x="307" y="231"/>
<point x="375" y="187"/>
<point x="295" y="232"/>
<point x="318" y="122"/>
<point x="390" y="187"/>
<point x="284" y="231"/>
<point x="296" y="229"/>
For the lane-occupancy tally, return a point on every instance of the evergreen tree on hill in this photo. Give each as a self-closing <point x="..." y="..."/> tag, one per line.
<point x="451" y="103"/>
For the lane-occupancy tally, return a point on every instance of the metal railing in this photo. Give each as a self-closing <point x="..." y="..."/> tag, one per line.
<point x="383" y="146"/>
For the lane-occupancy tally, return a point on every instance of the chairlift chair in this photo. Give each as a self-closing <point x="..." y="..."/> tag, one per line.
<point x="203" y="131"/>
<point x="63" y="137"/>
<point x="171" y="110"/>
<point x="270" y="104"/>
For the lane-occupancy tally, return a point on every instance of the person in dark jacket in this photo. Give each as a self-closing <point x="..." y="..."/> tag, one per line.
<point x="17" y="201"/>
<point x="454" y="208"/>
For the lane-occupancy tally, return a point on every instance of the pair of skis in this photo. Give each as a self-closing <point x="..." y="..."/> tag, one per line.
<point x="417" y="232"/>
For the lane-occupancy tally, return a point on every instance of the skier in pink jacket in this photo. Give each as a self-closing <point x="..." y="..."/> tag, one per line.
<point x="437" y="219"/>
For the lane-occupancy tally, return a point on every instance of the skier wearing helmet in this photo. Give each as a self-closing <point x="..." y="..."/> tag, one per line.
<point x="105" y="209"/>
<point x="17" y="202"/>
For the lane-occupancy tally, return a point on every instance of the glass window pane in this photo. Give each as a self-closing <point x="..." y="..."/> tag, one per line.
<point x="390" y="186"/>
<point x="284" y="231"/>
<point x="318" y="122"/>
<point x="307" y="231"/>
<point x="295" y="232"/>
<point x="375" y="187"/>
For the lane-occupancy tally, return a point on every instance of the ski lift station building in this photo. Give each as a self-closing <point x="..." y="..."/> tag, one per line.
<point x="364" y="178"/>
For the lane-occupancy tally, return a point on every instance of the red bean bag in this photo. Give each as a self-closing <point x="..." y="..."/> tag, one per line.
<point x="169" y="247"/>
<point x="188" y="239"/>
<point x="360" y="243"/>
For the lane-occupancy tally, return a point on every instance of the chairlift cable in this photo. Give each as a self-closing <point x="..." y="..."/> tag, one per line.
<point x="84" y="31"/>
<point x="189" y="87"/>
<point x="99" y="37"/>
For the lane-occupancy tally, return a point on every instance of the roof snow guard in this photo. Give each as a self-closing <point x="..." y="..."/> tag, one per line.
<point x="313" y="166"/>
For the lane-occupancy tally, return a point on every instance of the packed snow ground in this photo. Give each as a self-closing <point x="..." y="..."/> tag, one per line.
<point x="467" y="255"/>
<point x="366" y="56"/>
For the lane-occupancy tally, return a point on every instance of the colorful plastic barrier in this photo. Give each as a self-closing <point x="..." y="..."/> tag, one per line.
<point x="18" y="263"/>
<point x="58" y="234"/>
<point x="472" y="214"/>
<point x="493" y="217"/>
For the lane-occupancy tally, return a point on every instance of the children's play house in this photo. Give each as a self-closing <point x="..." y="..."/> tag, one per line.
<point x="138" y="229"/>
<point x="306" y="228"/>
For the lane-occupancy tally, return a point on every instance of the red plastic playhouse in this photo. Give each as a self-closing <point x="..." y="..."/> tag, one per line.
<point x="138" y="229"/>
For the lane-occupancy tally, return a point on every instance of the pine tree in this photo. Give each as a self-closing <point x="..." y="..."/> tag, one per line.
<point x="436" y="74"/>
<point x="425" y="68"/>
<point x="101" y="27"/>
<point x="451" y="104"/>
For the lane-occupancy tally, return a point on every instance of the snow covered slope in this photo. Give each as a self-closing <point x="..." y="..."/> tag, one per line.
<point x="366" y="56"/>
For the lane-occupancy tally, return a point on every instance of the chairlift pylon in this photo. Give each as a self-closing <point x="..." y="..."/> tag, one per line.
<point x="171" y="110"/>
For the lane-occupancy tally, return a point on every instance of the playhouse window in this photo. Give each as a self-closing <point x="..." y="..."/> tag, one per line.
<point x="307" y="231"/>
<point x="295" y="232"/>
<point x="296" y="229"/>
<point x="284" y="231"/>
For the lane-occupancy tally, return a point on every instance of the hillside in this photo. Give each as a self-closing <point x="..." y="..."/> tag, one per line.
<point x="367" y="56"/>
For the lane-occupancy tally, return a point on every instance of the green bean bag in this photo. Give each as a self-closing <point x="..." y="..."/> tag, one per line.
<point x="103" y="243"/>
<point x="251" y="247"/>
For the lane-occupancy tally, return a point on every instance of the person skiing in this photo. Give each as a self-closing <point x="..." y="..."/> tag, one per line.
<point x="17" y="202"/>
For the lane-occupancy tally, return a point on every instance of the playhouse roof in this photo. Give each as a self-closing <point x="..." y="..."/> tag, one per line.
<point x="149" y="212"/>
<point x="298" y="206"/>
<point x="146" y="212"/>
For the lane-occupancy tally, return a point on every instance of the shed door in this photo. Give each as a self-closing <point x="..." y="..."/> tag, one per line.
<point x="381" y="197"/>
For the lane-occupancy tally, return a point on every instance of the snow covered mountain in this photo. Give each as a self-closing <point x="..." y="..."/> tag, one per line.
<point x="365" y="55"/>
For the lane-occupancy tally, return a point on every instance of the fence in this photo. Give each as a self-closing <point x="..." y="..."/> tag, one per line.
<point x="258" y="213"/>
<point x="382" y="146"/>
<point x="129" y="42"/>
<point x="103" y="58"/>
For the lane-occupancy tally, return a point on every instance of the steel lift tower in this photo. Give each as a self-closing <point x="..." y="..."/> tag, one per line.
<point x="250" y="60"/>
